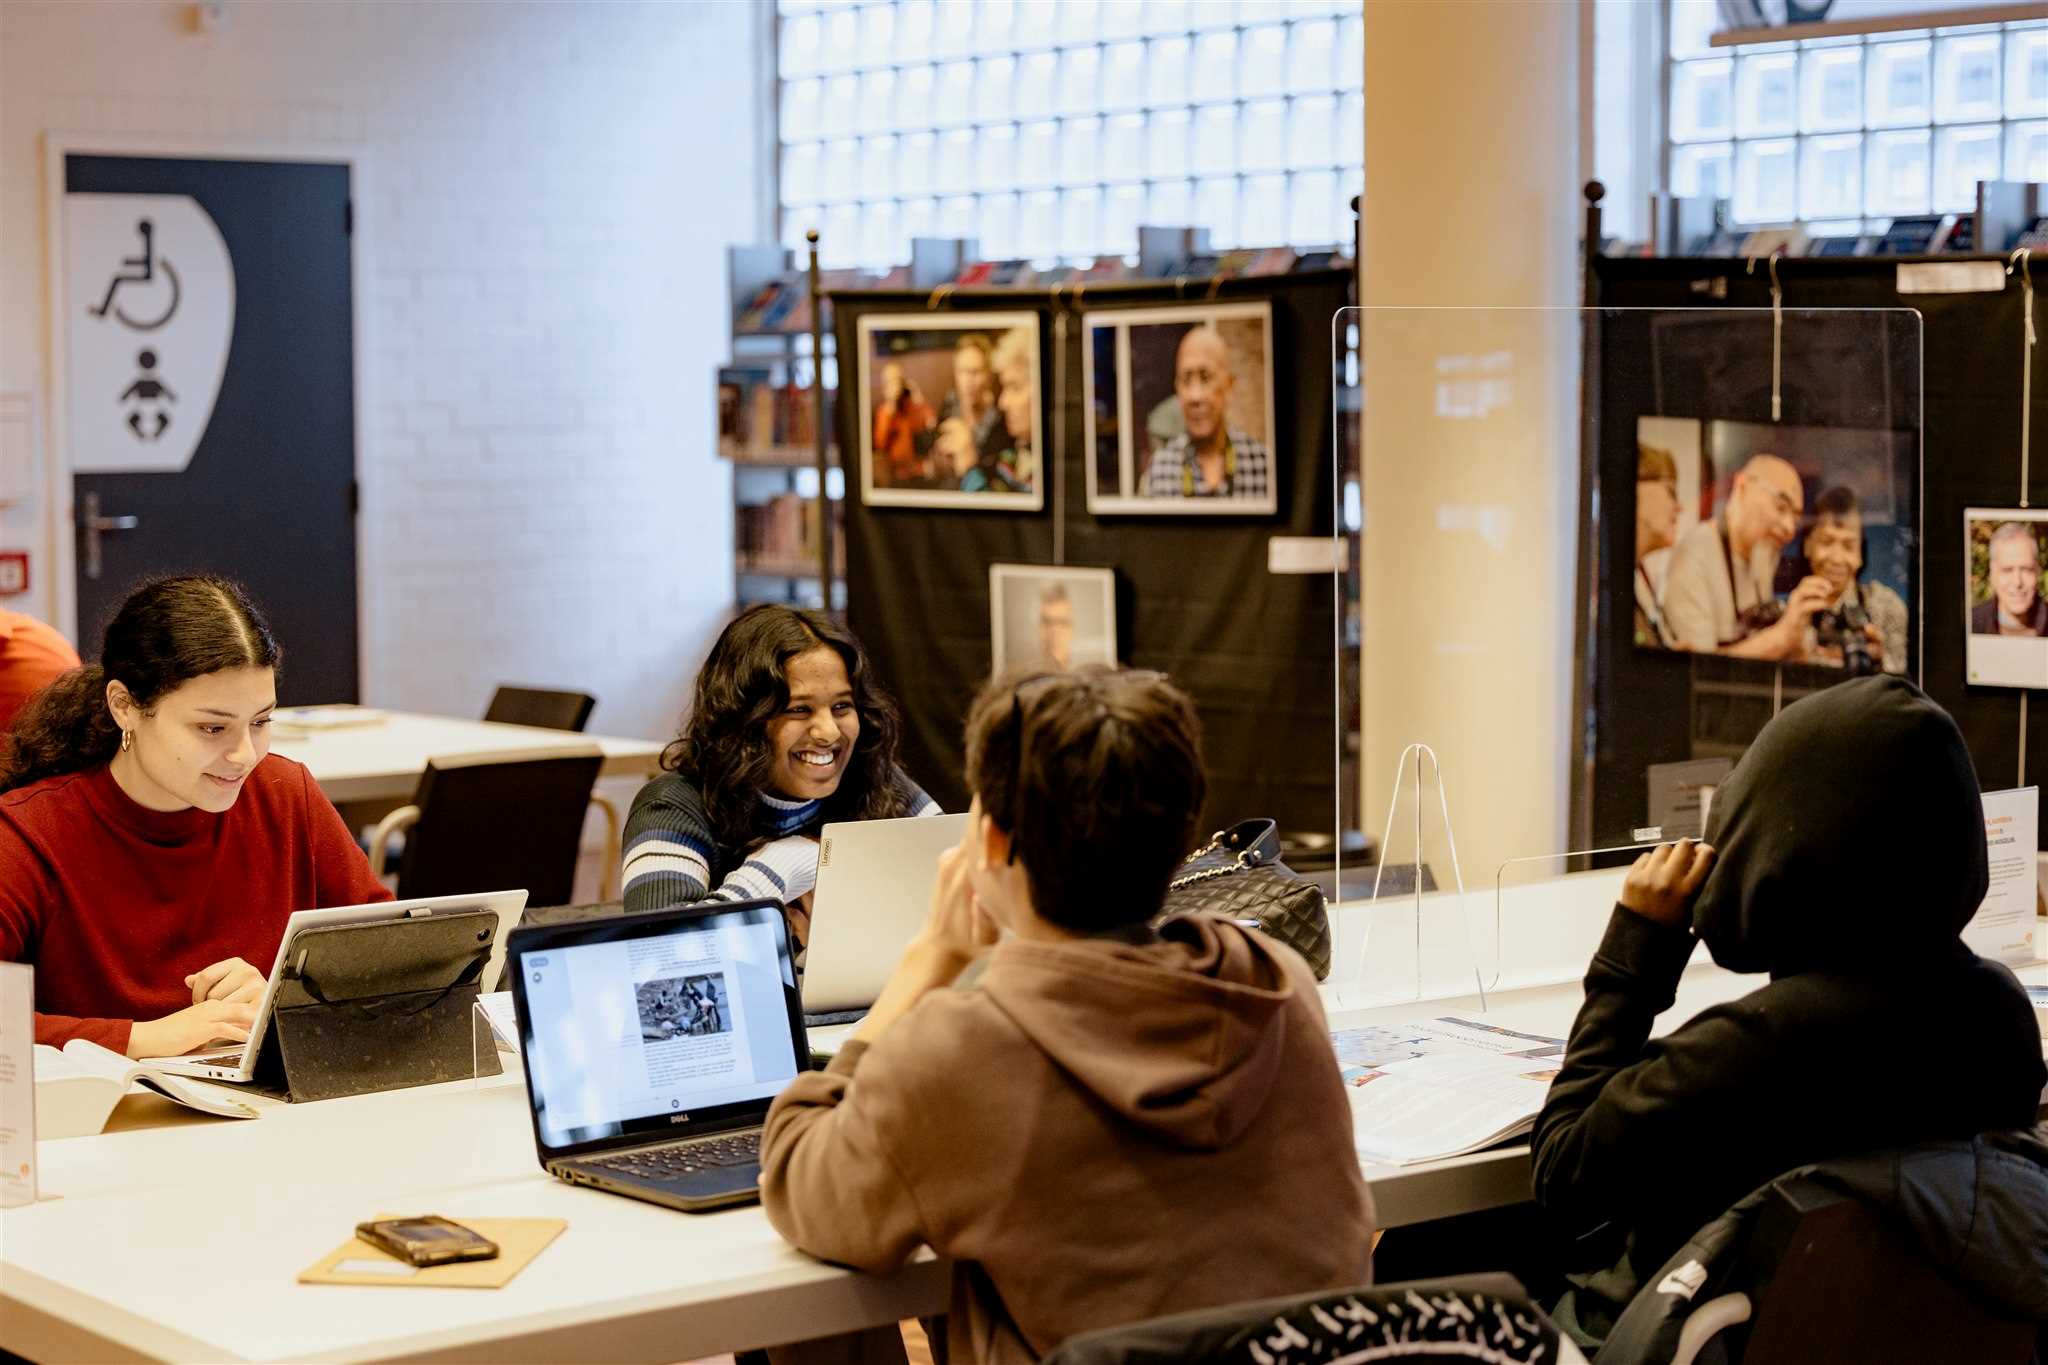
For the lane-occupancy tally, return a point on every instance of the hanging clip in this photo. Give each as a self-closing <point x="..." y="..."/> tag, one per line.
<point x="1777" y="334"/>
<point x="938" y="297"/>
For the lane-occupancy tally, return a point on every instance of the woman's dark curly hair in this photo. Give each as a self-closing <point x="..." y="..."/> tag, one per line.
<point x="724" y="750"/>
<point x="163" y="636"/>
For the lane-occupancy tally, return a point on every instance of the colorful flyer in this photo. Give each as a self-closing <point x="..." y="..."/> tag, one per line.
<point x="17" y="1084"/>
<point x="2004" y="927"/>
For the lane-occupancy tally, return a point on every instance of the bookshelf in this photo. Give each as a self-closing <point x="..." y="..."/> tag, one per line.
<point x="768" y="428"/>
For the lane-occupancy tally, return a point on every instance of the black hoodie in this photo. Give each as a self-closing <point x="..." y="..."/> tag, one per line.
<point x="1850" y="854"/>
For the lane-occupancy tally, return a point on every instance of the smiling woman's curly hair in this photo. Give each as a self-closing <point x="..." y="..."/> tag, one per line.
<point x="724" y="751"/>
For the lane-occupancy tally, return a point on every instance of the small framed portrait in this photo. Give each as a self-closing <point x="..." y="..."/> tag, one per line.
<point x="949" y="411"/>
<point x="1049" y="619"/>
<point x="1179" y="411"/>
<point x="2006" y="611"/>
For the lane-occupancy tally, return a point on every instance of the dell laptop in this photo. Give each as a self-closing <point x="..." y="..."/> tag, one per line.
<point x="654" y="1044"/>
<point x="239" y="1062"/>
<point x="874" y="893"/>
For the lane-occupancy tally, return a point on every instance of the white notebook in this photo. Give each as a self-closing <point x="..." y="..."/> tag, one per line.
<point x="1425" y="1089"/>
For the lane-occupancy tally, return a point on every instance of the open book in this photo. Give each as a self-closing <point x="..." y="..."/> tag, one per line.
<point x="1426" y="1089"/>
<point x="77" y="1088"/>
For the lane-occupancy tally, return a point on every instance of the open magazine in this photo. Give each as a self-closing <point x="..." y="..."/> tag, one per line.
<point x="78" y="1087"/>
<point x="1426" y="1089"/>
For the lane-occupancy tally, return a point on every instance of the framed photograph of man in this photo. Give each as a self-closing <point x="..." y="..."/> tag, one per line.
<point x="1050" y="619"/>
<point x="2006" y="611"/>
<point x="1784" y="544"/>
<point x="1178" y="407"/>
<point x="949" y="411"/>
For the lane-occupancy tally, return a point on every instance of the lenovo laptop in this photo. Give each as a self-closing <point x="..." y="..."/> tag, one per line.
<point x="874" y="893"/>
<point x="239" y="1062"/>
<point x="654" y="1044"/>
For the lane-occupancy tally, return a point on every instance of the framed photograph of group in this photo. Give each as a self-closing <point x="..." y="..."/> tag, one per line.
<point x="1179" y="411"/>
<point x="950" y="412"/>
<point x="1050" y="618"/>
<point x="1783" y="544"/>
<point x="2006" y="608"/>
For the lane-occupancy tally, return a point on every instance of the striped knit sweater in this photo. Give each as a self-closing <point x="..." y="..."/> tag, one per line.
<point x="672" y="857"/>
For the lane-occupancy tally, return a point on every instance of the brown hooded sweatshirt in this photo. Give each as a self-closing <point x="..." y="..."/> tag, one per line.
<point x="1095" y="1132"/>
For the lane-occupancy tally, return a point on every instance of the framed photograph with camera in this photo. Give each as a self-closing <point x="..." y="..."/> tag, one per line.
<point x="949" y="411"/>
<point x="1782" y="544"/>
<point x="2005" y="611"/>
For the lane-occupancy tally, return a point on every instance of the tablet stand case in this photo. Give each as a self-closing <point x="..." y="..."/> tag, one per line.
<point x="384" y="1005"/>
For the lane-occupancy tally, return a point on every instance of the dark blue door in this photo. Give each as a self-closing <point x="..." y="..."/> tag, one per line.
<point x="269" y="496"/>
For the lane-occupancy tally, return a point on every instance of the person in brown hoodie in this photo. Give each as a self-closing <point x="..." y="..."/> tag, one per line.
<point x="1097" y="1122"/>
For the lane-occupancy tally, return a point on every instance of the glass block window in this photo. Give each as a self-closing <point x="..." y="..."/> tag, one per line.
<point x="1052" y="129"/>
<point x="1843" y="133"/>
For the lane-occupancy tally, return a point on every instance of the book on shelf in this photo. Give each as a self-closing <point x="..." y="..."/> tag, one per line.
<point x="762" y="422"/>
<point x="1426" y="1089"/>
<point x="78" y="1086"/>
<point x="779" y="537"/>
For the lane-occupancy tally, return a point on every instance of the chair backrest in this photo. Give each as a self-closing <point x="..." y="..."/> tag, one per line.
<point x="1468" y="1318"/>
<point x="1846" y="1285"/>
<point x="541" y="707"/>
<point x="489" y="822"/>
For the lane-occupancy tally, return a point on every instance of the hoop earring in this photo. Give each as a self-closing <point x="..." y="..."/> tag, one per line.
<point x="127" y="740"/>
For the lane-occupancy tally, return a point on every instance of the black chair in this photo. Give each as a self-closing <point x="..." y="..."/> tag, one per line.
<point x="494" y="822"/>
<point x="1807" y="1272"/>
<point x="541" y="708"/>
<point x="1465" y="1318"/>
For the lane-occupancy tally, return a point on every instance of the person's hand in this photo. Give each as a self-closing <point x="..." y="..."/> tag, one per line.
<point x="210" y="1021"/>
<point x="232" y="980"/>
<point x="1662" y="884"/>
<point x="797" y="915"/>
<point x="1876" y="639"/>
<point x="1813" y="594"/>
<point x="956" y="928"/>
<point x="892" y="386"/>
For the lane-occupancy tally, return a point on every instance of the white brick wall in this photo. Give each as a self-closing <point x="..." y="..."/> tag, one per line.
<point x="550" y="191"/>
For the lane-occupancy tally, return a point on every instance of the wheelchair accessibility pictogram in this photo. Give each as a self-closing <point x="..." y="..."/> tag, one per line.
<point x="156" y="281"/>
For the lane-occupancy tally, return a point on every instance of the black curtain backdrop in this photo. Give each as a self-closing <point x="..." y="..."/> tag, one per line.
<point x="1194" y="598"/>
<point x="1654" y="708"/>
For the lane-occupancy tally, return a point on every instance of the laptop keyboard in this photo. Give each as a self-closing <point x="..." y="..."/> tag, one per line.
<point x="683" y="1158"/>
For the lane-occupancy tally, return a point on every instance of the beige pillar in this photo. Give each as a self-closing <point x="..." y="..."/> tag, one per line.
<point x="1472" y="202"/>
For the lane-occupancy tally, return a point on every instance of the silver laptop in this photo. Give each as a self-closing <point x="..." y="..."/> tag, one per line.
<point x="238" y="1063"/>
<point x="874" y="891"/>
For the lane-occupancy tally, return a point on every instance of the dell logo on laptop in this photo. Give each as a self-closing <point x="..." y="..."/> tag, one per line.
<point x="678" y="1118"/>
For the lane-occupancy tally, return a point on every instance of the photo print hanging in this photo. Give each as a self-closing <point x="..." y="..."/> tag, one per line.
<point x="1049" y="619"/>
<point x="950" y="411"/>
<point x="1783" y="544"/>
<point x="1178" y="407"/>
<point x="2005" y="611"/>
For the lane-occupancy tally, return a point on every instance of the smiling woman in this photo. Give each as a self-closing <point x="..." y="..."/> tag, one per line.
<point x="151" y="846"/>
<point x="787" y="731"/>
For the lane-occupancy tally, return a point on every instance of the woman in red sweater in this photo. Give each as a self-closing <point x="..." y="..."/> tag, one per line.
<point x="151" y="846"/>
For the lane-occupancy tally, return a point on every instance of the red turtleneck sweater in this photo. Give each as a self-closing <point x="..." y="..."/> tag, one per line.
<point x="115" y="904"/>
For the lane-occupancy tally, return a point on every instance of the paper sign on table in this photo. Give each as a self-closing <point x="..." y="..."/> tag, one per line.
<point x="17" y="1084"/>
<point x="2004" y="926"/>
<point x="519" y="1241"/>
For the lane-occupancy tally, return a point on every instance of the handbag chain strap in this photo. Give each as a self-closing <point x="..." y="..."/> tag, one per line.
<point x="1245" y="861"/>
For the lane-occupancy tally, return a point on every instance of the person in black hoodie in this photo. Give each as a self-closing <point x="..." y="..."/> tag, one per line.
<point x="1844" y="855"/>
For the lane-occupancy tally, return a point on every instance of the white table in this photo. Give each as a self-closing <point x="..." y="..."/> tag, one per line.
<point x="369" y="770"/>
<point x="383" y="760"/>
<point x="185" y="1243"/>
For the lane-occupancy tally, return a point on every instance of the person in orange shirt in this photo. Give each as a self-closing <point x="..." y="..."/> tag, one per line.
<point x="31" y="655"/>
<point x="900" y="426"/>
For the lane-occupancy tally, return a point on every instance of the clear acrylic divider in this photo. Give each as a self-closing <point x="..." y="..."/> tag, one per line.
<point x="1590" y="553"/>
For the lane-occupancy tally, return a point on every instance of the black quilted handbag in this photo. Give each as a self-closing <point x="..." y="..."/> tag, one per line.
<point x="1238" y="873"/>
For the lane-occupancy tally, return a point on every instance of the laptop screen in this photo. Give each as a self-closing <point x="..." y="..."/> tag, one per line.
<point x="641" y="1032"/>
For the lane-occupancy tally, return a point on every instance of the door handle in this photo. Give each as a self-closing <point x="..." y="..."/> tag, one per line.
<point x="91" y="525"/>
